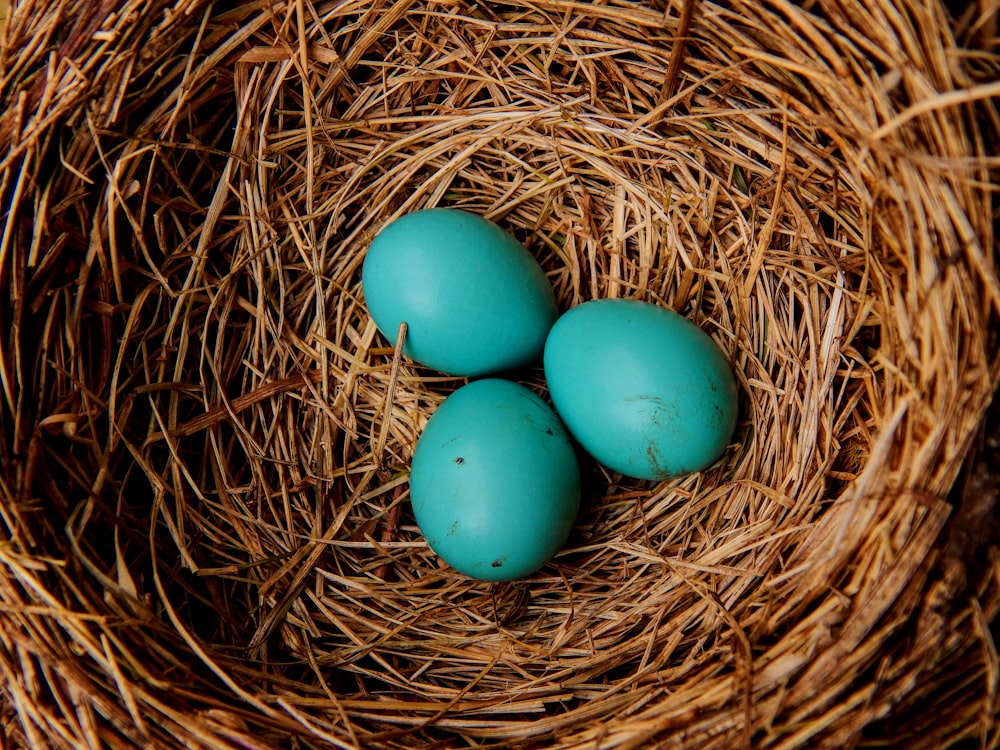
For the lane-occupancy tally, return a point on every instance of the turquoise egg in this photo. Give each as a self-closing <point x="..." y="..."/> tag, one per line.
<point x="494" y="482"/>
<point x="644" y="390"/>
<point x="474" y="299"/>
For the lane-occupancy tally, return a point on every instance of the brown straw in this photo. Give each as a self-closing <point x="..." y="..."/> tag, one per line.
<point x="204" y="448"/>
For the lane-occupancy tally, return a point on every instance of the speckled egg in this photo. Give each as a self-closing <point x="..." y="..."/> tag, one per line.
<point x="644" y="390"/>
<point x="494" y="482"/>
<point x="474" y="299"/>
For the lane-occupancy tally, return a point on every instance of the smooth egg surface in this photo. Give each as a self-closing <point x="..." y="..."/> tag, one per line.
<point x="644" y="390"/>
<point x="494" y="482"/>
<point x="474" y="299"/>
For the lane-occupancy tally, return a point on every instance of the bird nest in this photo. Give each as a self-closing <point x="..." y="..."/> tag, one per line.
<point x="206" y="531"/>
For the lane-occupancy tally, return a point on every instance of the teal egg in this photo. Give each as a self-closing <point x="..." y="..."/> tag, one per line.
<point x="494" y="482"/>
<point x="474" y="299"/>
<point x="644" y="390"/>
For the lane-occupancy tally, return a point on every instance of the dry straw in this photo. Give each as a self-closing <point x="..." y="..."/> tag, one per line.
<point x="206" y="533"/>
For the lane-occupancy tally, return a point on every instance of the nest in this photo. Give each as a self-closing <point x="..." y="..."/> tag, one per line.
<point x="206" y="534"/>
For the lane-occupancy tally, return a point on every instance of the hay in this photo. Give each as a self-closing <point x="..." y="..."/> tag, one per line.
<point x="206" y="533"/>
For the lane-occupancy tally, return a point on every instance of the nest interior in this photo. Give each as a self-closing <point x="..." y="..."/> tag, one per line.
<point x="206" y="532"/>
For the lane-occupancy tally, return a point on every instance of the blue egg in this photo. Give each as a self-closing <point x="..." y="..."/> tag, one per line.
<point x="644" y="390"/>
<point x="474" y="299"/>
<point x="494" y="482"/>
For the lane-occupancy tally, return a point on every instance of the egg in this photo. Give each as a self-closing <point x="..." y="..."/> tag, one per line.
<point x="494" y="481"/>
<point x="474" y="299"/>
<point x="643" y="390"/>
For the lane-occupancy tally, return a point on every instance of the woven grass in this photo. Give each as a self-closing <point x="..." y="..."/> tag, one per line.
<point x="206" y="535"/>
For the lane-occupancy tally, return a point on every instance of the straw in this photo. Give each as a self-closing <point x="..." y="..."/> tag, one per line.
<point x="207" y="539"/>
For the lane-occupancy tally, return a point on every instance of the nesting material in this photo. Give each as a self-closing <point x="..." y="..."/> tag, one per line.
<point x="207" y="539"/>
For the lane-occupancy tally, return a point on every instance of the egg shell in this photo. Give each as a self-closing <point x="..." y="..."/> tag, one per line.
<point x="494" y="482"/>
<point x="645" y="391"/>
<point x="474" y="299"/>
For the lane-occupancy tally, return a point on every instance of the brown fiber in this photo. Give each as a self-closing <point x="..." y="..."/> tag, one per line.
<point x="206" y="533"/>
